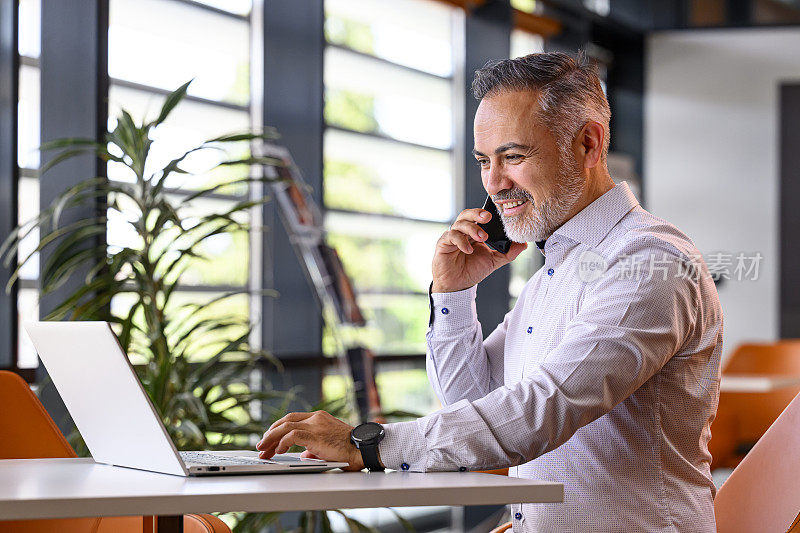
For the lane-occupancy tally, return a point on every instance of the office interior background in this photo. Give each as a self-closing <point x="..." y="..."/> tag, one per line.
<point x="372" y="98"/>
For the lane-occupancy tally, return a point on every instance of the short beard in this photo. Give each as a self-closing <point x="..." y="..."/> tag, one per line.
<point x="543" y="219"/>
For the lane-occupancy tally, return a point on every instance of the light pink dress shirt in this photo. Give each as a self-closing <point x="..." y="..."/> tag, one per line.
<point x="604" y="377"/>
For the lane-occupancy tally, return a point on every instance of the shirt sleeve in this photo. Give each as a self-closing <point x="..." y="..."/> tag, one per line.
<point x="460" y="364"/>
<point x="624" y="332"/>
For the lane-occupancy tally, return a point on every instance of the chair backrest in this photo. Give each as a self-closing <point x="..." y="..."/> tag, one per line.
<point x="28" y="432"/>
<point x="743" y="418"/>
<point x="778" y="358"/>
<point x="762" y="493"/>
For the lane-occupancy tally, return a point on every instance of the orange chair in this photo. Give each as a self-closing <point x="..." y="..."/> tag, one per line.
<point x="28" y="432"/>
<point x="762" y="493"/>
<point x="742" y="418"/>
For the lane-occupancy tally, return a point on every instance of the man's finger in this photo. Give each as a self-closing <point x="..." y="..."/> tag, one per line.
<point x="475" y="214"/>
<point x="274" y="435"/>
<point x="299" y="437"/>
<point x="291" y="417"/>
<point x="470" y="228"/>
<point x="308" y="455"/>
<point x="460" y="240"/>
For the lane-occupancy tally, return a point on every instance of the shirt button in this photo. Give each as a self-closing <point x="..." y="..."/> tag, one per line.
<point x="462" y="469"/>
<point x="550" y="272"/>
<point x="518" y="516"/>
<point x="405" y="466"/>
<point x="445" y="310"/>
<point x="530" y="329"/>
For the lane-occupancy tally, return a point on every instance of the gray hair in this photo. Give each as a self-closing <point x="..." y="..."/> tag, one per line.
<point x="570" y="92"/>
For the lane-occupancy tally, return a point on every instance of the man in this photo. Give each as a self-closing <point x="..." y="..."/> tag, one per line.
<point x="605" y="374"/>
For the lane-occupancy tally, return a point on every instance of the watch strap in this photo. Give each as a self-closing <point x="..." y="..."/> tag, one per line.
<point x="369" y="453"/>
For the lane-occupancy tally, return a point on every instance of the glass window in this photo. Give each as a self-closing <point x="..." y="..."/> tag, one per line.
<point x="30" y="16"/>
<point x="27" y="208"/>
<point x="28" y="118"/>
<point x="154" y="47"/>
<point x="367" y="95"/>
<point x="412" y="33"/>
<point x="384" y="252"/>
<point x="372" y="175"/>
<point x="164" y="44"/>
<point x="238" y="7"/>
<point x="27" y="311"/>
<point x="389" y="182"/>
<point x="28" y="139"/>
<point x="189" y="125"/>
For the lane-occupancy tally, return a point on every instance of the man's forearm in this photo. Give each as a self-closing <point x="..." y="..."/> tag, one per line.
<point x="457" y="361"/>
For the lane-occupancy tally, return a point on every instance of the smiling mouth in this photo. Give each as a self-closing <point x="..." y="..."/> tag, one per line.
<point x="510" y="207"/>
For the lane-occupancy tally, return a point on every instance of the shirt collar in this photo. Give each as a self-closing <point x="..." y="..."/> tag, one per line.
<point x="593" y="222"/>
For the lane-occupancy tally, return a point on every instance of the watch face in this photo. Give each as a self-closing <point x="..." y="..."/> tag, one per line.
<point x="367" y="432"/>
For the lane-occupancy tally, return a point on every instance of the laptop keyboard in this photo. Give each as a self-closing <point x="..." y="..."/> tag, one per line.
<point x="209" y="459"/>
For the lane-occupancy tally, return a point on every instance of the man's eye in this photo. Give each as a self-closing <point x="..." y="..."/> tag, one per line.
<point x="482" y="162"/>
<point x="513" y="157"/>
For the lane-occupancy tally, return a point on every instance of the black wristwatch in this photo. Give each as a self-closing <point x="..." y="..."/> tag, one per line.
<point x="366" y="437"/>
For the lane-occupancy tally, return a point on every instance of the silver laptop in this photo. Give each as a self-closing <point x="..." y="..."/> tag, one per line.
<point x="115" y="416"/>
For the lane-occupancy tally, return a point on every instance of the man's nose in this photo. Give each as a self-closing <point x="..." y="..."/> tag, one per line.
<point x="497" y="180"/>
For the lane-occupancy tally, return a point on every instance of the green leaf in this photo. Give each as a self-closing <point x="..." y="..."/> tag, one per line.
<point x="71" y="196"/>
<point x="10" y="245"/>
<point x="71" y="142"/>
<point x="268" y="134"/>
<point x="65" y="261"/>
<point x="63" y="156"/>
<point x="215" y="188"/>
<point x="47" y="239"/>
<point x="172" y="100"/>
<point x="64" y="309"/>
<point x="253" y="160"/>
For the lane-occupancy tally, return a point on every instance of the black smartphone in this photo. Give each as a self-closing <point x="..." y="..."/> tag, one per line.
<point x="498" y="240"/>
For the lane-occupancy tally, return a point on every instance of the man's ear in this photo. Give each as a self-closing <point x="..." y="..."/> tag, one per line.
<point x="591" y="137"/>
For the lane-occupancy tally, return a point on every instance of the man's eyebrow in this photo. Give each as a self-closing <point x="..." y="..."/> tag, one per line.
<point x="511" y="146"/>
<point x="503" y="148"/>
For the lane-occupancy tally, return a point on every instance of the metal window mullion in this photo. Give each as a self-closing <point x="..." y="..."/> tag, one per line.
<point x="74" y="92"/>
<point x="29" y="61"/>
<point x="293" y="97"/>
<point x="9" y="96"/>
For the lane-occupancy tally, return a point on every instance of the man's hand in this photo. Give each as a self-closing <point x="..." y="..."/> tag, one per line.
<point x="323" y="435"/>
<point x="462" y="259"/>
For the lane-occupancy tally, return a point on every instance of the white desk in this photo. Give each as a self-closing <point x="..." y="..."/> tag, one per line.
<point x="756" y="383"/>
<point x="71" y="488"/>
